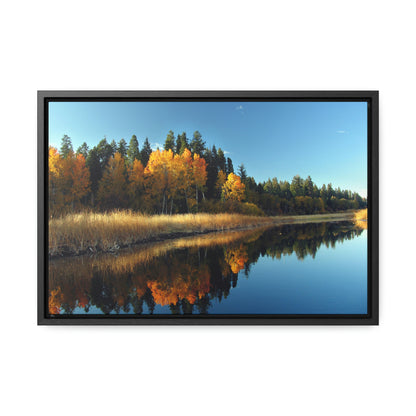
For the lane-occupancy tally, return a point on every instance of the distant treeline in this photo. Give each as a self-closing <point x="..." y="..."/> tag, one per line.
<point x="184" y="176"/>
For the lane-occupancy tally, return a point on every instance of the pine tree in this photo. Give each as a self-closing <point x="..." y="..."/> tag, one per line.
<point x="308" y="187"/>
<point x="83" y="150"/>
<point x="66" y="147"/>
<point x="230" y="167"/>
<point x="170" y="141"/>
<point x="113" y="145"/>
<point x="146" y="152"/>
<point x="221" y="160"/>
<point x="242" y="173"/>
<point x="197" y="144"/>
<point x="105" y="152"/>
<point x="296" y="187"/>
<point x="133" y="152"/>
<point x="122" y="148"/>
<point x="94" y="166"/>
<point x="183" y="143"/>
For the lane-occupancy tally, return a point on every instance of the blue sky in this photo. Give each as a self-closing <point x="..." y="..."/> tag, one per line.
<point x="326" y="140"/>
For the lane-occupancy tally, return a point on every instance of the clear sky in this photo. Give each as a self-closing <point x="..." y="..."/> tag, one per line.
<point x="326" y="140"/>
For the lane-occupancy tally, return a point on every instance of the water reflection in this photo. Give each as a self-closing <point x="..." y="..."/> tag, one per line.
<point x="181" y="276"/>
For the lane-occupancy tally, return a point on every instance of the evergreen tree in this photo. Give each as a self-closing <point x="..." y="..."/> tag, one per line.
<point x="113" y="145"/>
<point x="183" y="143"/>
<point x="308" y="187"/>
<point x="133" y="152"/>
<point x="242" y="173"/>
<point x="105" y="151"/>
<point x="197" y="144"/>
<point x="146" y="152"/>
<point x="296" y="187"/>
<point x="94" y="166"/>
<point x="221" y="160"/>
<point x="178" y="144"/>
<point x="122" y="148"/>
<point x="170" y="141"/>
<point x="83" y="150"/>
<point x="211" y="173"/>
<point x="230" y="167"/>
<point x="66" y="147"/>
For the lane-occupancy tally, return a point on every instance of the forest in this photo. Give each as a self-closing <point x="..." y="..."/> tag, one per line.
<point x="185" y="176"/>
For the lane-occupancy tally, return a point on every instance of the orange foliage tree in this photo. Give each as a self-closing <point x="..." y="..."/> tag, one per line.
<point x="56" y="202"/>
<point x="69" y="181"/>
<point x="113" y="185"/>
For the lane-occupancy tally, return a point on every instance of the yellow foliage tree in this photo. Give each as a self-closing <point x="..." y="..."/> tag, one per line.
<point x="159" y="177"/>
<point x="199" y="175"/>
<point x="221" y="179"/>
<point x="56" y="201"/>
<point x="233" y="188"/>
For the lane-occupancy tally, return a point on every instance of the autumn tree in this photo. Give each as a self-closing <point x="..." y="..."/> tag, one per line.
<point x="112" y="187"/>
<point x="55" y="177"/>
<point x="233" y="189"/>
<point x="221" y="179"/>
<point x="186" y="157"/>
<point x="159" y="177"/>
<point x="199" y="175"/>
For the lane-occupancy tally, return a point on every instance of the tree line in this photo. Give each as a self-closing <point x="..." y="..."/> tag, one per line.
<point x="184" y="176"/>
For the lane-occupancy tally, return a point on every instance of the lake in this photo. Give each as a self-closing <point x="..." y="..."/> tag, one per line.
<point x="318" y="268"/>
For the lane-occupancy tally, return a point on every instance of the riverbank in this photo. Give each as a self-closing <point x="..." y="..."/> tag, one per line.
<point x="82" y="233"/>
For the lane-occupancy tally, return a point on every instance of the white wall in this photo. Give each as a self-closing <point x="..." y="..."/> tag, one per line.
<point x="212" y="45"/>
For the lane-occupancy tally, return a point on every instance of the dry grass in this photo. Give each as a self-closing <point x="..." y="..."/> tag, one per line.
<point x="78" y="233"/>
<point x="360" y="218"/>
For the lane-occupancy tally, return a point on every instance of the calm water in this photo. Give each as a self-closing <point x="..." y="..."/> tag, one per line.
<point x="291" y="269"/>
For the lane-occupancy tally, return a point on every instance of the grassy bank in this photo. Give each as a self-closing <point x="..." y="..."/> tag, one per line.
<point x="79" y="233"/>
<point x="360" y="218"/>
<point x="92" y="232"/>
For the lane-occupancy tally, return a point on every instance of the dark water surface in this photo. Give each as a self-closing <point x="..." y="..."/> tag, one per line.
<point x="292" y="269"/>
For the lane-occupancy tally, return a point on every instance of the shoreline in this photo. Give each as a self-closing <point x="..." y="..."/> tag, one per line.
<point x="78" y="250"/>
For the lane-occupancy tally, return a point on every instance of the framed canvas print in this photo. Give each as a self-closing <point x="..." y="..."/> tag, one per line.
<point x="208" y="207"/>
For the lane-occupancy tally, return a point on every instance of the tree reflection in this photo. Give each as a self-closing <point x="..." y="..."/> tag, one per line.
<point x="184" y="275"/>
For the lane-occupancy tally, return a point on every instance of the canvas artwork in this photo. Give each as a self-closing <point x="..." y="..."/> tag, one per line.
<point x="206" y="208"/>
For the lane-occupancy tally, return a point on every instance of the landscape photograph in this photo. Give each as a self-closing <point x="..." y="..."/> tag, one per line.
<point x="207" y="208"/>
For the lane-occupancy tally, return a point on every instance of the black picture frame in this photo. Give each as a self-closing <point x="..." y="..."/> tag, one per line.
<point x="371" y="97"/>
